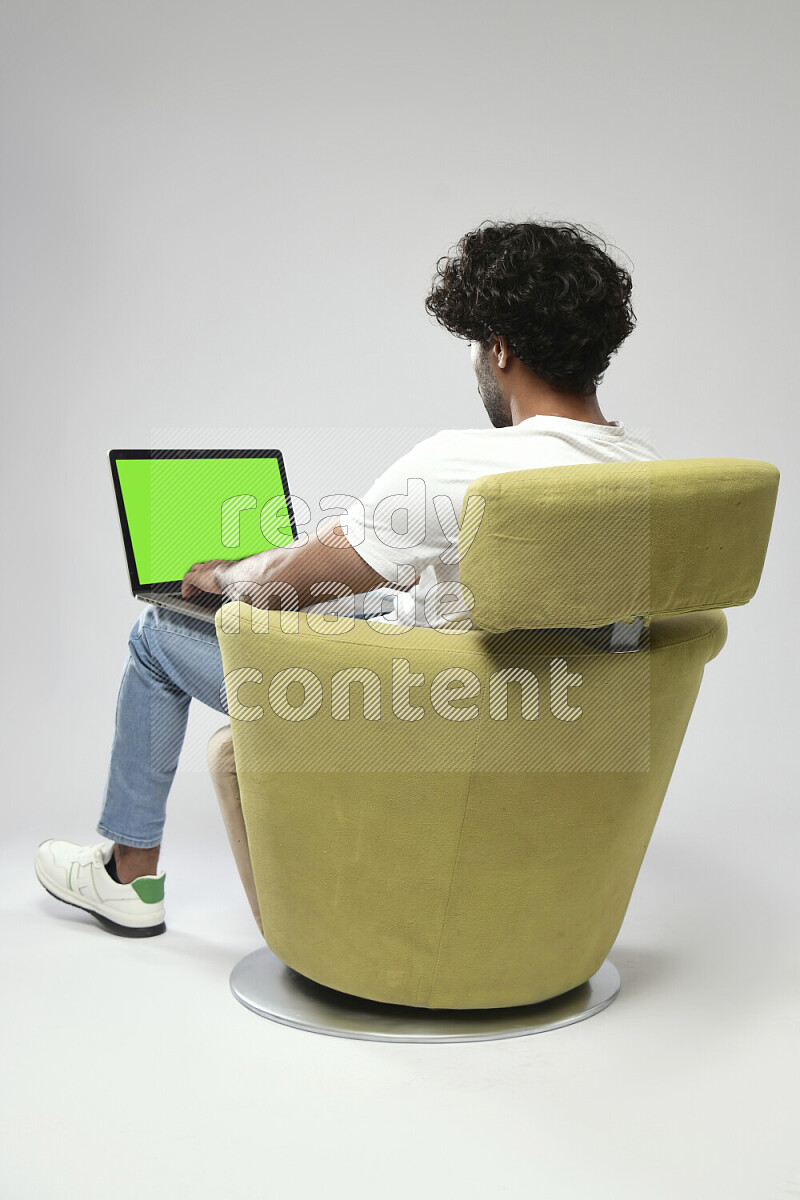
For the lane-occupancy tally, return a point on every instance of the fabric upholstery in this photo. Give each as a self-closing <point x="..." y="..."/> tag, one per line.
<point x="596" y="543"/>
<point x="457" y="820"/>
<point x="444" y="863"/>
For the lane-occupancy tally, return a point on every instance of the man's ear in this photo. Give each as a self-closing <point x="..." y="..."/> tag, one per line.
<point x="501" y="349"/>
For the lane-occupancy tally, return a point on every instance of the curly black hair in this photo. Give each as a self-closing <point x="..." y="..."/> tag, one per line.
<point x="560" y="300"/>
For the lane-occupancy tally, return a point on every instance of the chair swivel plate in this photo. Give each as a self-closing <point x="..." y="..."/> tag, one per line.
<point x="265" y="985"/>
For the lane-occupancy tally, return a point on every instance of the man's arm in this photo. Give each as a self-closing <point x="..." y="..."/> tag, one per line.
<point x="327" y="560"/>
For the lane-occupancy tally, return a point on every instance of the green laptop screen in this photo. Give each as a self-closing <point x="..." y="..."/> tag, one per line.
<point x="186" y="510"/>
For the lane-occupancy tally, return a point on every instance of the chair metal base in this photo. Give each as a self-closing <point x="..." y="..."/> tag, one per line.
<point x="265" y="985"/>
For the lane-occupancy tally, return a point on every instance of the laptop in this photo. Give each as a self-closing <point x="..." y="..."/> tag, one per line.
<point x="180" y="507"/>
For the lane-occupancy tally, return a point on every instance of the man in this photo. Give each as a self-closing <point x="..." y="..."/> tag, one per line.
<point x="544" y="308"/>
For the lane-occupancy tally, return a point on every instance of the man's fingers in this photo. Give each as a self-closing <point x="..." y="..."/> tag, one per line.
<point x="201" y="578"/>
<point x="188" y="589"/>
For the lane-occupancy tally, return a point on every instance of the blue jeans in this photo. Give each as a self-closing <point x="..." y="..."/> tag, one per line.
<point x="171" y="658"/>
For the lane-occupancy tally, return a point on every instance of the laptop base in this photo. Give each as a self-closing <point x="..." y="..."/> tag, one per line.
<point x="205" y="609"/>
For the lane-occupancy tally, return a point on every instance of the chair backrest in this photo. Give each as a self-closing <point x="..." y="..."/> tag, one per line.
<point x="590" y="545"/>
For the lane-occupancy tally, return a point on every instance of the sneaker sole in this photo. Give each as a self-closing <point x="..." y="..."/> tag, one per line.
<point x="130" y="931"/>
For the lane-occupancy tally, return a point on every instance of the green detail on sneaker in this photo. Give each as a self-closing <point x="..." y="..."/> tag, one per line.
<point x="149" y="890"/>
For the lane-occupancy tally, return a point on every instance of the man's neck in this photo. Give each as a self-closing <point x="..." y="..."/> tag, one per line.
<point x="549" y="403"/>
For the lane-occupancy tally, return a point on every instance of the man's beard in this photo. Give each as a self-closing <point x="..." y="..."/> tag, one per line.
<point x="492" y="397"/>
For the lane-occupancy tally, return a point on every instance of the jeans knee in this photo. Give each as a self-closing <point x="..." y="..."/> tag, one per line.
<point x="138" y="634"/>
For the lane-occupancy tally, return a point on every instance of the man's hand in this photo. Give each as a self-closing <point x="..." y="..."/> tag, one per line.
<point x="202" y="578"/>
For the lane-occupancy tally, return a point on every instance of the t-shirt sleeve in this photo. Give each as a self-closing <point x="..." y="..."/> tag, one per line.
<point x="395" y="523"/>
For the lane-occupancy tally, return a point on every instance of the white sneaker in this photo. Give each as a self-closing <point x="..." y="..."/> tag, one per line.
<point x="78" y="876"/>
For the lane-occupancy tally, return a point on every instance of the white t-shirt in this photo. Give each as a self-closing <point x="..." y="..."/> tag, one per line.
<point x="407" y="523"/>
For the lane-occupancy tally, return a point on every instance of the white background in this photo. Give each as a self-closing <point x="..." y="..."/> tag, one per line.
<point x="220" y="221"/>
